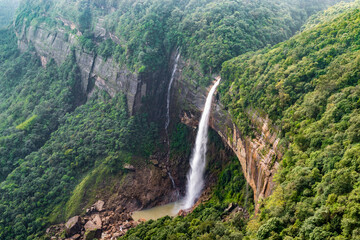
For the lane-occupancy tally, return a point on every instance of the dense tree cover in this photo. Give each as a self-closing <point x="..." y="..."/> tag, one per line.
<point x="309" y="86"/>
<point x="330" y="14"/>
<point x="7" y="11"/>
<point x="32" y="101"/>
<point x="47" y="147"/>
<point x="50" y="147"/>
<point x="208" y="32"/>
<point x="207" y="220"/>
<point x="97" y="131"/>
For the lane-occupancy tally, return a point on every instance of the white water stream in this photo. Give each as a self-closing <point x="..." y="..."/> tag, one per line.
<point x="195" y="176"/>
<point x="167" y="122"/>
<point x="197" y="166"/>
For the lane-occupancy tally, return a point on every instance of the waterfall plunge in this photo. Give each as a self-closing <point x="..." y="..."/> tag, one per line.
<point x="167" y="122"/>
<point x="169" y="92"/>
<point x="195" y="176"/>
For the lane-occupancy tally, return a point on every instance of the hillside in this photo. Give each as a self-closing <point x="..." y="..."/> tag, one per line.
<point x="309" y="86"/>
<point x="83" y="89"/>
<point x="141" y="34"/>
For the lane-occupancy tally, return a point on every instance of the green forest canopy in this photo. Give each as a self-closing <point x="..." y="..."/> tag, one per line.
<point x="208" y="31"/>
<point x="309" y="86"/>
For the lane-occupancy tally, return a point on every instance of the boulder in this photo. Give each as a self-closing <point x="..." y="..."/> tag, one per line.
<point x="99" y="206"/>
<point x="127" y="225"/>
<point x="73" y="226"/>
<point x="115" y="235"/>
<point x="124" y="217"/>
<point x="97" y="221"/>
<point x="92" y="230"/>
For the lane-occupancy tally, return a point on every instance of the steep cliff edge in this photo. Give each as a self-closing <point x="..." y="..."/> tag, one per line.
<point x="258" y="154"/>
<point x="96" y="72"/>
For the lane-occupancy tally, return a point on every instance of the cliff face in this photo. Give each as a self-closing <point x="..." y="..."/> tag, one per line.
<point x="258" y="156"/>
<point x="96" y="72"/>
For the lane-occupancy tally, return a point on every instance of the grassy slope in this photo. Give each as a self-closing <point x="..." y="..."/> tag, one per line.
<point x="309" y="86"/>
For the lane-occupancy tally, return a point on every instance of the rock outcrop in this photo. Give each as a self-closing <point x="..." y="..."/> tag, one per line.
<point x="96" y="72"/>
<point x="99" y="206"/>
<point x="259" y="156"/>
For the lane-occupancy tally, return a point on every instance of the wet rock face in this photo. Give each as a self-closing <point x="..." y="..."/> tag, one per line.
<point x="258" y="156"/>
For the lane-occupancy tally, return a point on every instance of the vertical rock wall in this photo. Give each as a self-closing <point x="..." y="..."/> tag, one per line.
<point x="96" y="72"/>
<point x="259" y="156"/>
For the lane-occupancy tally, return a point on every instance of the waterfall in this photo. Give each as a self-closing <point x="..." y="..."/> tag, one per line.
<point x="172" y="180"/>
<point x="167" y="121"/>
<point x="195" y="176"/>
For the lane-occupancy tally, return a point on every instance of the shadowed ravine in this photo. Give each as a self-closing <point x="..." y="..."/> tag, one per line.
<point x="195" y="178"/>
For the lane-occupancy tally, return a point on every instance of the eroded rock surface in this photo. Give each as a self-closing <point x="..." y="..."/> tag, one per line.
<point x="259" y="156"/>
